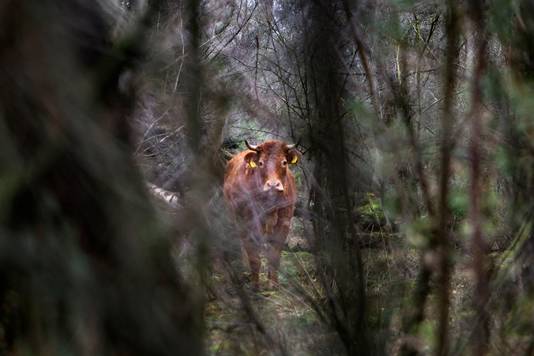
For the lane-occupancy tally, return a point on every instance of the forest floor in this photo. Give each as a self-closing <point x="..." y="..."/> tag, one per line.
<point x="282" y="321"/>
<point x="240" y="321"/>
<point x="258" y="323"/>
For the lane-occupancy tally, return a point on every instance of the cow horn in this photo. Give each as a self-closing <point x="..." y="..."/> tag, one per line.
<point x="294" y="145"/>
<point x="251" y="147"/>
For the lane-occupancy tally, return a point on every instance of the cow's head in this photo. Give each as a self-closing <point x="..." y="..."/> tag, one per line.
<point x="269" y="162"/>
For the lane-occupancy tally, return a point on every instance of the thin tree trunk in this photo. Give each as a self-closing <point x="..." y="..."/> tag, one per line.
<point x="446" y="148"/>
<point x="338" y="259"/>
<point x="478" y="244"/>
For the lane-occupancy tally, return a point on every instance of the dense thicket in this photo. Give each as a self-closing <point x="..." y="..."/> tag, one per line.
<point x="414" y="224"/>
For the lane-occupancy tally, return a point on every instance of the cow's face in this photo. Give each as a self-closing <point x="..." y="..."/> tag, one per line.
<point x="269" y="163"/>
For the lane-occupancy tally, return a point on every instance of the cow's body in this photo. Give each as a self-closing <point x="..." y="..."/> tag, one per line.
<point x="260" y="190"/>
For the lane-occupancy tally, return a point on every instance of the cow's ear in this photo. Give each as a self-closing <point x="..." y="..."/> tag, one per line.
<point x="251" y="158"/>
<point x="293" y="156"/>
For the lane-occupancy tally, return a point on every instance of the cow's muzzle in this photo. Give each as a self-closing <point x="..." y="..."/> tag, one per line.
<point x="273" y="185"/>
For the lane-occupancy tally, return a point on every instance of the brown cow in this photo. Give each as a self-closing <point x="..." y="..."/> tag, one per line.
<point x="260" y="190"/>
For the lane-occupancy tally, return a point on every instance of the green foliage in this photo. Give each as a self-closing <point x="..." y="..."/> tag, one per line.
<point x="427" y="334"/>
<point x="519" y="321"/>
<point x="419" y="232"/>
<point x="459" y="203"/>
<point x="371" y="208"/>
<point x="501" y="18"/>
<point x="362" y="113"/>
<point x="392" y="29"/>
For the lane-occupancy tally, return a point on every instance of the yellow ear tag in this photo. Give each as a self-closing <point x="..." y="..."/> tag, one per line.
<point x="294" y="159"/>
<point x="252" y="164"/>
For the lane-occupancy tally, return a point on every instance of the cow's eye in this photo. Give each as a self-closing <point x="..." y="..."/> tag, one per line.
<point x="284" y="163"/>
<point x="260" y="163"/>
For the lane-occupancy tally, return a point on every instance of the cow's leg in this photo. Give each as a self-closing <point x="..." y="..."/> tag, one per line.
<point x="274" y="249"/>
<point x="252" y="249"/>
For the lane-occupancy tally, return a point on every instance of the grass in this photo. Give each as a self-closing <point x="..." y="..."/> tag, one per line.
<point x="284" y="320"/>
